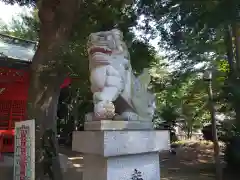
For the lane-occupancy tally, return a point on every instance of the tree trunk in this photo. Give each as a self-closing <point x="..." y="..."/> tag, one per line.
<point x="75" y="111"/>
<point x="189" y="132"/>
<point x="236" y="99"/>
<point x="75" y="108"/>
<point x="229" y="47"/>
<point x="56" y="17"/>
<point x="235" y="29"/>
<point x="233" y="75"/>
<point x="214" y="134"/>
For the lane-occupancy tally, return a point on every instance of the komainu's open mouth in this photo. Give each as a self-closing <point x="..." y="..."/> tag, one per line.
<point x="98" y="49"/>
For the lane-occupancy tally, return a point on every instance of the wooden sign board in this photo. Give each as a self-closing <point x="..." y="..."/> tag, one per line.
<point x="24" y="152"/>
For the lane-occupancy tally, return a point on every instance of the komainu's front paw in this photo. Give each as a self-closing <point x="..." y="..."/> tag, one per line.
<point x="130" y="116"/>
<point x="104" y="110"/>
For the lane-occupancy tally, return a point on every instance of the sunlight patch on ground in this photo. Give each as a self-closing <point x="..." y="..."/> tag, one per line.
<point x="208" y="175"/>
<point x="77" y="165"/>
<point x="75" y="158"/>
<point x="189" y="163"/>
<point x="209" y="150"/>
<point x="203" y="161"/>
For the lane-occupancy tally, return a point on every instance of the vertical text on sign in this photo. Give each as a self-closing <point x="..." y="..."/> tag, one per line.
<point x="24" y="153"/>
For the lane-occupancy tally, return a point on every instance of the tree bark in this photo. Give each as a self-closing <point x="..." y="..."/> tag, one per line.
<point x="229" y="47"/>
<point x="234" y="65"/>
<point x="189" y="131"/>
<point x="214" y="133"/>
<point x="235" y="29"/>
<point x="233" y="54"/>
<point x="57" y="18"/>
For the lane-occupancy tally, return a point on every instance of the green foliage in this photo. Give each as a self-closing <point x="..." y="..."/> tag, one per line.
<point x="181" y="100"/>
<point x="202" y="33"/>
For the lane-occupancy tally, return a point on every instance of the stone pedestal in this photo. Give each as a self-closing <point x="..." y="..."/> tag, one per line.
<point x="125" y="152"/>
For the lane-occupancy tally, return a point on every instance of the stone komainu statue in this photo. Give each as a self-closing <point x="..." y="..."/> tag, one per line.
<point x="117" y="93"/>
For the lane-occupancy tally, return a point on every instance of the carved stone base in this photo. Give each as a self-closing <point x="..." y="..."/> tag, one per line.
<point x="121" y="154"/>
<point x="129" y="167"/>
<point x="118" y="125"/>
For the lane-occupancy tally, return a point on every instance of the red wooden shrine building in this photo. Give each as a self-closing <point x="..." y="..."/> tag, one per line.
<point x="15" y="59"/>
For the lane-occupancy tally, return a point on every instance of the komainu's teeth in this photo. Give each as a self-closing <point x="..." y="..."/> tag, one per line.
<point x="107" y="49"/>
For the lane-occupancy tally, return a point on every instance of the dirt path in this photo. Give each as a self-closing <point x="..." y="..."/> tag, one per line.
<point x="191" y="162"/>
<point x="73" y="165"/>
<point x="187" y="164"/>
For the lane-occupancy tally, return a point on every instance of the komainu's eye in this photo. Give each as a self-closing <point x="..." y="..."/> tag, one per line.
<point x="109" y="38"/>
<point x="102" y="38"/>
